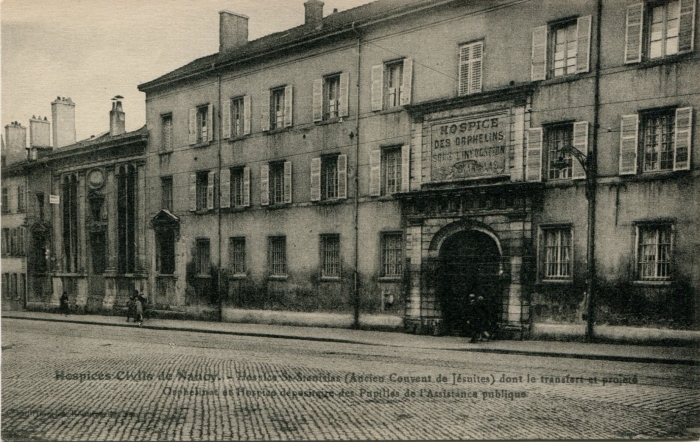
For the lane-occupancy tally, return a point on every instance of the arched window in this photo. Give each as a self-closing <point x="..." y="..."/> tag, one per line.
<point x="70" y="222"/>
<point x="126" y="219"/>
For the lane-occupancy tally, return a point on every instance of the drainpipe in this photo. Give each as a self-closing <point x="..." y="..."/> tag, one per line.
<point x="356" y="288"/>
<point x="218" y="211"/>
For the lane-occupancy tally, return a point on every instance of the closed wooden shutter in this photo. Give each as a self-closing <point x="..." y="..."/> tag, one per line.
<point x="193" y="192"/>
<point x="377" y="86"/>
<point x="464" y="64"/>
<point x="580" y="142"/>
<point x="406" y="82"/>
<point x="629" y="128"/>
<point x="533" y="168"/>
<point x="686" y="27"/>
<point x="633" y="33"/>
<point x="287" y="182"/>
<point x="342" y="176"/>
<point x="315" y="179"/>
<point x="405" y="167"/>
<point x="210" y="122"/>
<point x="343" y="95"/>
<point x="682" y="146"/>
<point x="583" y="43"/>
<point x="288" y="101"/>
<point x="318" y="99"/>
<point x="247" y="102"/>
<point x="375" y="172"/>
<point x="539" y="53"/>
<point x="265" y="184"/>
<point x="226" y="119"/>
<point x="246" y="186"/>
<point x="265" y="109"/>
<point x="211" y="181"/>
<point x="225" y="188"/>
<point x="476" y="68"/>
<point x="193" y="126"/>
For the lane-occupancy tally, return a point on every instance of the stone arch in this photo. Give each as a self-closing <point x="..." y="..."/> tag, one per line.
<point x="460" y="226"/>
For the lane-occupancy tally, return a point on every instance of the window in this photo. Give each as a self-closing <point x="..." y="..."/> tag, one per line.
<point x="202" y="257"/>
<point x="167" y="134"/>
<point x="277" y="255"/>
<point x="277" y="109"/>
<point x="237" y="251"/>
<point x="6" y="285"/>
<point x="470" y="67"/>
<point x="657" y="140"/>
<point x="557" y="253"/>
<point x="201" y="124"/>
<point x="392" y="254"/>
<point x="5" y="241"/>
<point x="202" y="190"/>
<point x="330" y="97"/>
<point x="391" y="171"/>
<point x="331" y="92"/>
<point x="126" y="219"/>
<point x="40" y="204"/>
<point x="5" y="200"/>
<point x="70" y="222"/>
<point x="654" y="251"/>
<point x="165" y="250"/>
<point x="329" y="177"/>
<point x="659" y="29"/>
<point x="13" y="284"/>
<point x="557" y="137"/>
<point x="330" y="256"/>
<point x="21" y="199"/>
<point x="166" y="186"/>
<point x="237" y="187"/>
<point x="276" y="183"/>
<point x="561" y="48"/>
<point x="202" y="128"/>
<point x="391" y="84"/>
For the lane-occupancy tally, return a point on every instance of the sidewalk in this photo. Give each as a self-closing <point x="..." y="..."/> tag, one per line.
<point x="687" y="355"/>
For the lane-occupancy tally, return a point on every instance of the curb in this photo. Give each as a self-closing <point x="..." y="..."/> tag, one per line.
<point x="597" y="357"/>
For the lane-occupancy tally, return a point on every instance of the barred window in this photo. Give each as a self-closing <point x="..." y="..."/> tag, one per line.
<point x="237" y="251"/>
<point x="277" y="255"/>
<point x="202" y="258"/>
<point x="658" y="140"/>
<point x="654" y="249"/>
<point x="392" y="254"/>
<point x="330" y="255"/>
<point x="557" y="253"/>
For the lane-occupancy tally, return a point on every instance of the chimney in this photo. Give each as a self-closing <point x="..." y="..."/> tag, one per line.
<point x="313" y="14"/>
<point x="39" y="132"/>
<point x="63" y="120"/>
<point x="16" y="142"/>
<point x="117" y="118"/>
<point x="233" y="31"/>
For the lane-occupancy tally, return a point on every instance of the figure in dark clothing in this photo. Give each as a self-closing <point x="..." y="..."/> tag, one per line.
<point x="65" y="308"/>
<point x="481" y="320"/>
<point x="139" y="302"/>
<point x="131" y="308"/>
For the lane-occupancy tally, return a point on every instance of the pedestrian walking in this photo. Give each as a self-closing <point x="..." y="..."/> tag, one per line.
<point x="481" y="320"/>
<point x="139" y="302"/>
<point x="131" y="308"/>
<point x="65" y="308"/>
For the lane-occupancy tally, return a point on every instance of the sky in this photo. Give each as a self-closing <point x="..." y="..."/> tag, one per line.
<point x="92" y="50"/>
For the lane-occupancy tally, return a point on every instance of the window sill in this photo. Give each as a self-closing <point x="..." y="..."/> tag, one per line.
<point x="236" y="209"/>
<point x="565" y="79"/>
<point x="655" y="175"/>
<point x="201" y="211"/>
<point x="327" y="121"/>
<point x="389" y="279"/>
<point x="277" y="130"/>
<point x="556" y="281"/>
<point x="330" y="279"/>
<point x="202" y="276"/>
<point x="675" y="58"/>
<point x="201" y="145"/>
<point x="277" y="206"/>
<point x="278" y="277"/>
<point x="166" y="276"/>
<point x="651" y="283"/>
<point x="162" y="153"/>
<point x="237" y="138"/>
<point x="389" y="197"/>
<point x="238" y="276"/>
<point x="393" y="110"/>
<point x="330" y="202"/>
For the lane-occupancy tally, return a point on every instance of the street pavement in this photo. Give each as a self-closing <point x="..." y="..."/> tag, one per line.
<point x="84" y="381"/>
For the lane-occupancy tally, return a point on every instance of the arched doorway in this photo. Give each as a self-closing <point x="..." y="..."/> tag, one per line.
<point x="469" y="262"/>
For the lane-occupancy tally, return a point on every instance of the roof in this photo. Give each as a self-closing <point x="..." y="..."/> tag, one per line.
<point x="103" y="140"/>
<point x="332" y="24"/>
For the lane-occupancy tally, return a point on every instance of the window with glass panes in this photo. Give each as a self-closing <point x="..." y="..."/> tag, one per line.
<point x="564" y="49"/>
<point x="202" y="258"/>
<point x="654" y="248"/>
<point x="202" y="129"/>
<point x="658" y="140"/>
<point x="277" y="183"/>
<point x="329" y="177"/>
<point x="166" y="186"/>
<point x="557" y="253"/>
<point x="202" y="189"/>
<point x="331" y="92"/>
<point x="237" y="187"/>
<point x="237" y="117"/>
<point x="392" y="254"/>
<point x="237" y="251"/>
<point x="277" y="255"/>
<point x="664" y="21"/>
<point x="330" y="255"/>
<point x="277" y="108"/>
<point x="391" y="170"/>
<point x="392" y="84"/>
<point x="557" y="137"/>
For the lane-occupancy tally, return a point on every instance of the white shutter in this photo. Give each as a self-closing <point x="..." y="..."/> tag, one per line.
<point x="265" y="184"/>
<point x="464" y="59"/>
<point x="377" y="86"/>
<point x="342" y="176"/>
<point x="247" y="101"/>
<point x="583" y="43"/>
<point x="405" y="167"/>
<point x="686" y="27"/>
<point x="315" y="179"/>
<point x="580" y="142"/>
<point x="682" y="146"/>
<point x="633" y="33"/>
<point x="225" y="189"/>
<point x="287" y="189"/>
<point x="476" y="69"/>
<point x="343" y="95"/>
<point x="210" y="122"/>
<point x="539" y="53"/>
<point x="533" y="168"/>
<point x="406" y="82"/>
<point x="265" y="110"/>
<point x="375" y="175"/>
<point x="193" y="192"/>
<point x="193" y="126"/>
<point x="211" y="180"/>
<point x="288" y="106"/>
<point x="629" y="126"/>
<point x="226" y="119"/>
<point x="318" y="99"/>
<point x="246" y="186"/>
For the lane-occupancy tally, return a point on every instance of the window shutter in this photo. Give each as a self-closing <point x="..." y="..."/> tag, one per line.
<point x="406" y="82"/>
<point x="265" y="109"/>
<point x="464" y="59"/>
<point x="193" y="126"/>
<point x="211" y="180"/>
<point x="343" y="95"/>
<point x="265" y="184"/>
<point x="377" y="86"/>
<point x="246" y="186"/>
<point x="580" y="142"/>
<point x="475" y="71"/>
<point x="628" y="144"/>
<point x="210" y="122"/>
<point x="681" y="150"/>
<point x="315" y="179"/>
<point x="225" y="189"/>
<point x="288" y="106"/>
<point x="533" y="169"/>
<point x="318" y="99"/>
<point x="375" y="175"/>
<point x="246" y="114"/>
<point x="342" y="176"/>
<point x="633" y="33"/>
<point x="405" y="167"/>
<point x="583" y="43"/>
<point x="686" y="28"/>
<point x="226" y="119"/>
<point x="193" y="192"/>
<point x="539" y="53"/>
<point x="287" y="182"/>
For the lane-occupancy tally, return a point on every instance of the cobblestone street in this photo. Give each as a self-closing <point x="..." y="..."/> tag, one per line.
<point x="87" y="382"/>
